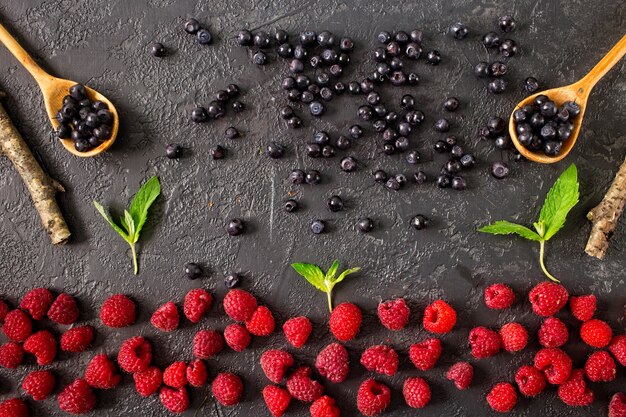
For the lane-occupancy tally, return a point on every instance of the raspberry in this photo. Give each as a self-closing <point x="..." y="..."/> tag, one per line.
<point x="324" y="406"/>
<point x="176" y="400"/>
<point x="600" y="367"/>
<point x="485" y="342"/>
<point x="135" y="354"/>
<point x="547" y="298"/>
<point x="147" y="382"/>
<point x="101" y="374"/>
<point x="574" y="391"/>
<point x="13" y="407"/>
<point x="302" y="387"/>
<point x="237" y="337"/>
<point x="416" y="392"/>
<point x="373" y="397"/>
<point x="425" y="355"/>
<point x="37" y="302"/>
<point x="555" y="364"/>
<point x="4" y="310"/>
<point x="17" y="325"/>
<point x="297" y="331"/>
<point x="462" y="374"/>
<point x="530" y="381"/>
<point x="381" y="359"/>
<point x="227" y="389"/>
<point x="77" y="398"/>
<point x="43" y="345"/>
<point x="166" y="317"/>
<point x="197" y="304"/>
<point x="394" y="314"/>
<point x="117" y="311"/>
<point x="262" y="322"/>
<point x="175" y="375"/>
<point x="499" y="296"/>
<point x="275" y="363"/>
<point x="38" y="384"/>
<point x="514" y="337"/>
<point x="64" y="310"/>
<point x="618" y="349"/>
<point x="553" y="333"/>
<point x="277" y="400"/>
<point x="197" y="373"/>
<point x="583" y="307"/>
<point x="617" y="405"/>
<point x="11" y="355"/>
<point x="439" y="317"/>
<point x="596" y="333"/>
<point x="333" y="363"/>
<point x="239" y="305"/>
<point x="207" y="343"/>
<point x="345" y="321"/>
<point x="77" y="339"/>
<point x="502" y="397"/>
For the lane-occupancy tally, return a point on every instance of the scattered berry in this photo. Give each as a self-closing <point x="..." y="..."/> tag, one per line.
<point x="176" y="400"/>
<point x="175" y="375"/>
<point x="373" y="397"/>
<point x="502" y="397"/>
<point x="530" y="381"/>
<point x="207" y="343"/>
<point x="13" y="407"/>
<point x="394" y="314"/>
<point x="11" y="355"/>
<point x="583" y="307"/>
<point x="297" y="331"/>
<point x="425" y="355"/>
<point x="197" y="304"/>
<point x="324" y="407"/>
<point x="277" y="400"/>
<point x="262" y="322"/>
<point x="600" y="367"/>
<point x="514" y="337"/>
<point x="232" y="280"/>
<point x="148" y="381"/>
<point x="484" y="342"/>
<point x="239" y="305"/>
<point x="4" y="310"/>
<point x="462" y="374"/>
<point x="555" y="364"/>
<point x="302" y="387"/>
<point x="166" y="317"/>
<point x="43" y="345"/>
<point x="345" y="321"/>
<point x="17" y="325"/>
<point x="135" y="354"/>
<point x="618" y="349"/>
<point x="38" y="384"/>
<point x="596" y="333"/>
<point x="574" y="391"/>
<point x="439" y="317"/>
<point x="227" y="389"/>
<point x="381" y="359"/>
<point x="275" y="363"/>
<point x="553" y="333"/>
<point x="118" y="311"/>
<point x="197" y="373"/>
<point x="237" y="337"/>
<point x="416" y="392"/>
<point x="547" y="298"/>
<point x="499" y="296"/>
<point x="77" y="398"/>
<point x="617" y="405"/>
<point x="77" y="339"/>
<point x="37" y="302"/>
<point x="101" y="373"/>
<point x="333" y="362"/>
<point x="64" y="310"/>
<point x="193" y="270"/>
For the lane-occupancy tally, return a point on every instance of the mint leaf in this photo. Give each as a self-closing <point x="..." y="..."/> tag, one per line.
<point x="311" y="273"/>
<point x="115" y="227"/>
<point x="332" y="271"/>
<point x="323" y="282"/>
<point x="344" y="274"/>
<point x="561" y="198"/>
<point x="503" y="227"/>
<point x="142" y="201"/>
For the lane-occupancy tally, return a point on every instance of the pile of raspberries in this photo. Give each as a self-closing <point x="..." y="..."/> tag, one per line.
<point x="551" y="364"/>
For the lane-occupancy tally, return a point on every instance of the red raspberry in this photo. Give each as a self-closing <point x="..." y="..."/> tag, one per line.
<point x="373" y="397"/>
<point x="277" y="400"/>
<point x="600" y="367"/>
<point x="302" y="387"/>
<point x="416" y="392"/>
<point x="166" y="317"/>
<point x="439" y="317"/>
<point x="237" y="337"/>
<point x="176" y="400"/>
<point x="147" y="382"/>
<point x="485" y="342"/>
<point x="596" y="333"/>
<point x="574" y="391"/>
<point x="37" y="302"/>
<point x="197" y="304"/>
<point x="262" y="322"/>
<point x="101" y="373"/>
<point x="345" y="321"/>
<point x="17" y="325"/>
<point x="394" y="314"/>
<point x="4" y="310"/>
<point x="514" y="337"/>
<point x="77" y="398"/>
<point x="583" y="307"/>
<point x="77" y="339"/>
<point x="499" y="296"/>
<point x="425" y="355"/>
<point x="207" y="343"/>
<point x="555" y="364"/>
<point x="196" y="373"/>
<point x="297" y="331"/>
<point x="275" y="363"/>
<point x="38" y="384"/>
<point x="617" y="406"/>
<point x="530" y="381"/>
<point x="227" y="389"/>
<point x="553" y="333"/>
<point x="239" y="305"/>
<point x="333" y="363"/>
<point x="175" y="375"/>
<point x="324" y="406"/>
<point x="502" y="397"/>
<point x="11" y="355"/>
<point x="64" y="310"/>
<point x="117" y="311"/>
<point x="547" y="298"/>
<point x="381" y="359"/>
<point x="13" y="407"/>
<point x="462" y="374"/>
<point x="618" y="349"/>
<point x="43" y="345"/>
<point x="135" y="354"/>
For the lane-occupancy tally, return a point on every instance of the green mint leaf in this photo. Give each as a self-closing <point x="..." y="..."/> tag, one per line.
<point x="311" y="273"/>
<point x="503" y="227"/>
<point x="344" y="274"/>
<point x="108" y="218"/>
<point x="142" y="202"/>
<point x="129" y="223"/>
<point x="561" y="198"/>
<point x="332" y="271"/>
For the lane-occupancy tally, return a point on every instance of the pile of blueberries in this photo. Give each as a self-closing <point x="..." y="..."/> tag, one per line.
<point x="87" y="123"/>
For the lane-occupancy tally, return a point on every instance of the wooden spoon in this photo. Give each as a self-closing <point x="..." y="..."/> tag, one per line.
<point x="54" y="89"/>
<point x="577" y="92"/>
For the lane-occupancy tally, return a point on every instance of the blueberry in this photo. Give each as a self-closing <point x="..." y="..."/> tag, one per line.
<point x="286" y="112"/>
<point x="564" y="132"/>
<point x="339" y="88"/>
<point x="419" y="222"/>
<point x="523" y="128"/>
<point x="407" y="102"/>
<point x="548" y="132"/>
<point x="307" y="38"/>
<point x="393" y="49"/>
<point x="64" y="131"/>
<point x="348" y="164"/>
<point x="499" y="170"/>
<point x="238" y="106"/>
<point x="78" y="92"/>
<point x="420" y="177"/>
<point x="573" y="108"/>
<point x="552" y="148"/>
<point x="343" y="143"/>
<point x="548" y="109"/>
<point x="397" y="78"/>
<point x="84" y="129"/>
<point x="508" y="48"/>
<point x="468" y="161"/>
<point x="413" y="51"/>
<point x="192" y="26"/>
<point x="259" y="58"/>
<point x="313" y="177"/>
<point x="307" y="97"/>
<point x="540" y="99"/>
<point x="232" y="280"/>
<point x="367" y="86"/>
<point x="441" y="146"/>
<point x="390" y="134"/>
<point x="414" y="117"/>
<point x="537" y="120"/>
<point x="290" y="206"/>
<point x="328" y="151"/>
<point x="365" y="225"/>
<point x="503" y="142"/>
<point x="61" y="118"/>
<point x="506" y="23"/>
<point x="199" y="115"/>
<point x="562" y="115"/>
<point x="281" y="36"/>
<point x="294" y="122"/>
<point x="496" y="86"/>
<point x="285" y="50"/>
<point x="355" y="131"/>
<point x="262" y="40"/>
<point x="380" y="176"/>
<point x="302" y="82"/>
<point x="322" y="78"/>
<point x="433" y="57"/>
<point x="94" y="141"/>
<point x="389" y="149"/>
<point x="401" y="178"/>
<point x="300" y="52"/>
<point x="275" y="150"/>
<point x="404" y="129"/>
<point x="99" y="105"/>
<point x="204" y="37"/>
<point x="217" y="152"/>
<point x="459" y="30"/>
<point x="393" y="184"/>
<point x="482" y="70"/>
<point x="379" y="54"/>
<point x="173" y="150"/>
<point x="231" y="133"/>
<point x="193" y="270"/>
<point x="296" y="66"/>
<point x="244" y="38"/>
<point x="459" y="183"/>
<point x="402" y="144"/>
<point x="82" y="145"/>
<point x="215" y="110"/>
<point x="531" y="85"/>
<point x="235" y="227"/>
<point x="456" y="152"/>
<point x="316" y="108"/>
<point x="413" y="157"/>
<point x="443" y="181"/>
<point x="354" y="87"/>
<point x="68" y="100"/>
<point x="346" y="44"/>
<point x="384" y="37"/>
<point x="525" y="138"/>
<point x="318" y="226"/>
<point x="401" y="37"/>
<point x="365" y="113"/>
<point x="453" y="166"/>
<point x="297" y="176"/>
<point x="498" y="69"/>
<point x="442" y="125"/>
<point x="335" y="203"/>
<point x="395" y="63"/>
<point x="416" y="36"/>
<point x="520" y="115"/>
<point x="222" y="96"/>
<point x="451" y="104"/>
<point x="491" y="40"/>
<point x="329" y="56"/>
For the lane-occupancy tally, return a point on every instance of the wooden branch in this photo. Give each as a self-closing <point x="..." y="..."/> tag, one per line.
<point x="604" y="216"/>
<point x="42" y="188"/>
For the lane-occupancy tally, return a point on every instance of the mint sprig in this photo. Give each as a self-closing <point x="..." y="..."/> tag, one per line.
<point x="561" y="198"/>
<point x="135" y="217"/>
<point x="324" y="282"/>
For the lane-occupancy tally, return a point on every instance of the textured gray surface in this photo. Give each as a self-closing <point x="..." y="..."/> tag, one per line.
<point x="103" y="43"/>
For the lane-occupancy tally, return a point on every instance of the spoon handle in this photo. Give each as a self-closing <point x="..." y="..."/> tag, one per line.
<point x="610" y="59"/>
<point x="20" y="53"/>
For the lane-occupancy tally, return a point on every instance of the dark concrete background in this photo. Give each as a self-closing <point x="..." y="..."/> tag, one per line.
<point x="103" y="43"/>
